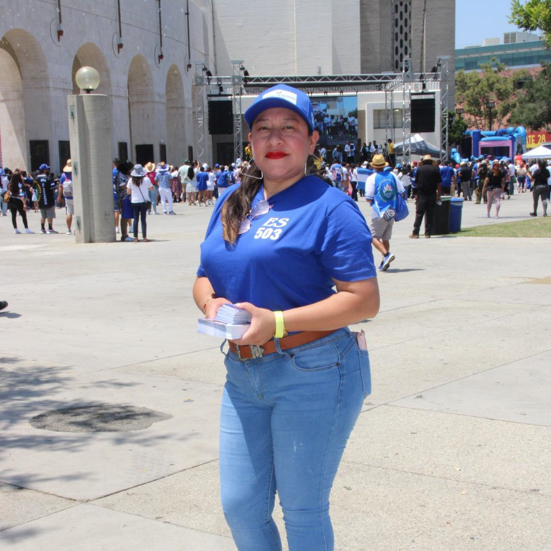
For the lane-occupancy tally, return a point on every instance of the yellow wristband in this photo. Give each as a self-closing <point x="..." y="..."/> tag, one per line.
<point x="280" y="325"/>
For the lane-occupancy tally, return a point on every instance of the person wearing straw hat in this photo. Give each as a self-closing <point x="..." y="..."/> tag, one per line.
<point x="66" y="192"/>
<point x="153" y="194"/>
<point x="426" y="193"/>
<point x="277" y="245"/>
<point x="381" y="191"/>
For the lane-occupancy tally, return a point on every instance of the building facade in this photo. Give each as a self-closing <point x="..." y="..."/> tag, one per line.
<point x="150" y="87"/>
<point x="517" y="52"/>
<point x="147" y="52"/>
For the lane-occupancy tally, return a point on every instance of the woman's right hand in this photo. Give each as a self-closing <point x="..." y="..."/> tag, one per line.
<point x="212" y="306"/>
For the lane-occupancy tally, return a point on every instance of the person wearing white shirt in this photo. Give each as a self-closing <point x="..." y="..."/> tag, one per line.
<point x="138" y="188"/>
<point x="211" y="182"/>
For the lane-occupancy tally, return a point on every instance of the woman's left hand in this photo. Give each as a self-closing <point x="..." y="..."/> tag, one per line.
<point x="262" y="325"/>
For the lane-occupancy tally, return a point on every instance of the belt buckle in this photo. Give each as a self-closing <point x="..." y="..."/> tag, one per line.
<point x="256" y="351"/>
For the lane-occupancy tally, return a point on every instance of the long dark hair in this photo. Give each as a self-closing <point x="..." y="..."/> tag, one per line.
<point x="16" y="179"/>
<point x="137" y="180"/>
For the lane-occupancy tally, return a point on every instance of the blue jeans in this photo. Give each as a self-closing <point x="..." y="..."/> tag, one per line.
<point x="285" y="422"/>
<point x="140" y="211"/>
<point x="153" y="198"/>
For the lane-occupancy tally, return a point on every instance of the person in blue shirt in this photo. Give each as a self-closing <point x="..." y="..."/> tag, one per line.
<point x="448" y="177"/>
<point x="297" y="255"/>
<point x="223" y="181"/>
<point x="202" y="180"/>
<point x="381" y="191"/>
<point x="163" y="179"/>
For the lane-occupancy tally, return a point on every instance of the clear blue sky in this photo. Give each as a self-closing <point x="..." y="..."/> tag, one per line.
<point x="476" y="20"/>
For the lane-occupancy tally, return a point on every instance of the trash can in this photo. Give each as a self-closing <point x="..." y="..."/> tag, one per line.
<point x="456" y="209"/>
<point x="441" y="220"/>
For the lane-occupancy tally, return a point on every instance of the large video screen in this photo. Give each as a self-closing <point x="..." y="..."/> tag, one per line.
<point x="336" y="119"/>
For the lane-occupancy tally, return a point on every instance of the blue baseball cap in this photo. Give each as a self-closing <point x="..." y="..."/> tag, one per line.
<point x="282" y="96"/>
<point x="43" y="166"/>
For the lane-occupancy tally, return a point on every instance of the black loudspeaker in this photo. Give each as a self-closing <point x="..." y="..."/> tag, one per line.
<point x="422" y="115"/>
<point x="220" y="117"/>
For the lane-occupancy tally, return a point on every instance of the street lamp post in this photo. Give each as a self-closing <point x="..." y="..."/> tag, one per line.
<point x="490" y="105"/>
<point x="90" y="134"/>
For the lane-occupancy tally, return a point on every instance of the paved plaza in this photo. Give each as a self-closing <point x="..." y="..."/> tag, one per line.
<point x="452" y="451"/>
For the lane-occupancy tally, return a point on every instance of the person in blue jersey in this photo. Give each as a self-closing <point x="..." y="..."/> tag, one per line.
<point x="202" y="181"/>
<point x="447" y="174"/>
<point x="296" y="254"/>
<point x="223" y="180"/>
<point x="46" y="188"/>
<point x="381" y="191"/>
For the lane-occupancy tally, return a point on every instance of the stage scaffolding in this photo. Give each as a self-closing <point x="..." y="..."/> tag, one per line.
<point x="240" y="83"/>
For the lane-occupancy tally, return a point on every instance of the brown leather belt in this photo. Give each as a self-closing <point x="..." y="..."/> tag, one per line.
<point x="249" y="352"/>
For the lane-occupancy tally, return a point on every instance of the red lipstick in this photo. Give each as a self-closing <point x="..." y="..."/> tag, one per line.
<point x="276" y="155"/>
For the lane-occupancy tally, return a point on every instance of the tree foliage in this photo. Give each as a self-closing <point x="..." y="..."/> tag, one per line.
<point x="533" y="108"/>
<point x="475" y="89"/>
<point x="532" y="15"/>
<point x="458" y="125"/>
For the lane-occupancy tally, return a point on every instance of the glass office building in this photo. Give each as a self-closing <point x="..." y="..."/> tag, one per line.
<point x="514" y="55"/>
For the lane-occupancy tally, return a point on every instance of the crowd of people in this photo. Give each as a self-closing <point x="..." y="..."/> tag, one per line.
<point x="137" y="191"/>
<point x="483" y="180"/>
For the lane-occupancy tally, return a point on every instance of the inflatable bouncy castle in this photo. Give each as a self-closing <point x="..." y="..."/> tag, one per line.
<point x="505" y="142"/>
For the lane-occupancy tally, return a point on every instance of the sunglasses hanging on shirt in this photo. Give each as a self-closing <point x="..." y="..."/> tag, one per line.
<point x="261" y="208"/>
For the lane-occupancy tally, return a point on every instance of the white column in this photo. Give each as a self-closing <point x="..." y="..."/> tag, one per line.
<point x="90" y="133"/>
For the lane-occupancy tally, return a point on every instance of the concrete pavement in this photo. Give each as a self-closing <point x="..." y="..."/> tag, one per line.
<point x="452" y="450"/>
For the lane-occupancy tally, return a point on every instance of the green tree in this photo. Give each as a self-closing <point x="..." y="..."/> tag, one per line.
<point x="475" y="89"/>
<point x="533" y="108"/>
<point x="458" y="125"/>
<point x="532" y="15"/>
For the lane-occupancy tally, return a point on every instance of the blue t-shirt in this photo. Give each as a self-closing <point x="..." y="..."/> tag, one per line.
<point x="202" y="179"/>
<point x="163" y="179"/>
<point x="447" y="173"/>
<point x="222" y="180"/>
<point x="312" y="233"/>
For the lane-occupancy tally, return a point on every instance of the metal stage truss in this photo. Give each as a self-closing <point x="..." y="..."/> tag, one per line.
<point x="407" y="82"/>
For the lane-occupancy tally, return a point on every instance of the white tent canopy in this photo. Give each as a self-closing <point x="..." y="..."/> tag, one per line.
<point x="540" y="152"/>
<point x="419" y="146"/>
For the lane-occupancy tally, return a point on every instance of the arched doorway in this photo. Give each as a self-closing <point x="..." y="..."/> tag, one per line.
<point x="90" y="55"/>
<point x="175" y="116"/>
<point x="25" y="104"/>
<point x="141" y="107"/>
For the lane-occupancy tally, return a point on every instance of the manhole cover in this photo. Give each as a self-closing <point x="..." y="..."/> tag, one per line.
<point x="98" y="418"/>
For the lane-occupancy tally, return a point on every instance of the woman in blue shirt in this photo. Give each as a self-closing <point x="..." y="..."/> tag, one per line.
<point x="276" y="246"/>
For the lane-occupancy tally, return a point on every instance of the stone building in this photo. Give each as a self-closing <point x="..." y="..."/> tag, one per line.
<point x="149" y="79"/>
<point x="150" y="89"/>
<point x="327" y="37"/>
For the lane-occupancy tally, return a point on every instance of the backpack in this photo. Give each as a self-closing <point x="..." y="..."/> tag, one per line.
<point x="386" y="192"/>
<point x="190" y="173"/>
